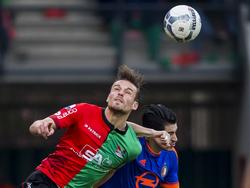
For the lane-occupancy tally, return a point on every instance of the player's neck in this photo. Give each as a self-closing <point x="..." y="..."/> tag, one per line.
<point x="153" y="148"/>
<point x="116" y="119"/>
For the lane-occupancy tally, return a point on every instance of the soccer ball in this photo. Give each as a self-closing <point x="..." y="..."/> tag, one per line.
<point x="182" y="23"/>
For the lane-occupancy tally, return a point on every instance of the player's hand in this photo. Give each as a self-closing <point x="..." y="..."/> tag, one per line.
<point x="165" y="137"/>
<point x="44" y="128"/>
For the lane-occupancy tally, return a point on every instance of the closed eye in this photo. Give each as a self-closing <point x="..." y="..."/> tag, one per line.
<point x="116" y="88"/>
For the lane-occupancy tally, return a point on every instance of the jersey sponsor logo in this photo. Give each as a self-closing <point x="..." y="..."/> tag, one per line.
<point x="88" y="153"/>
<point x="91" y="155"/>
<point x="91" y="130"/>
<point x="147" y="179"/>
<point x="120" y="152"/>
<point x="61" y="115"/>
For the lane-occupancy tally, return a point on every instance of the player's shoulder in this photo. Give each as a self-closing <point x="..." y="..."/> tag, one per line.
<point x="132" y="135"/>
<point x="171" y="152"/>
<point x="174" y="152"/>
<point x="133" y="141"/>
<point x="87" y="106"/>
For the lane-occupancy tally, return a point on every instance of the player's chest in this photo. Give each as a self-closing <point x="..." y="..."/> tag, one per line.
<point x="158" y="167"/>
<point x="96" y="143"/>
<point x="114" y="150"/>
<point x="90" y="131"/>
<point x="111" y="154"/>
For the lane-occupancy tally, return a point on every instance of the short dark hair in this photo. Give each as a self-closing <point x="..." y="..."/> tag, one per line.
<point x="131" y="75"/>
<point x="156" y="116"/>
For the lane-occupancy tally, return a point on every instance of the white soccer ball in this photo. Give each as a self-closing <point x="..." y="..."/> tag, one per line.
<point x="182" y="23"/>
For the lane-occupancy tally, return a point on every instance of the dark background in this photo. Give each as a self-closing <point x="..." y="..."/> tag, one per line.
<point x="50" y="59"/>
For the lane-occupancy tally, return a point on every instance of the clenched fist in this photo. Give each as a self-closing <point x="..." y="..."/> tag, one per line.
<point x="45" y="128"/>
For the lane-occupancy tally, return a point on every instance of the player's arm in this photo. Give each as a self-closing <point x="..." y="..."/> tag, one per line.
<point x="146" y="132"/>
<point x="105" y="178"/>
<point x="45" y="127"/>
<point x="142" y="131"/>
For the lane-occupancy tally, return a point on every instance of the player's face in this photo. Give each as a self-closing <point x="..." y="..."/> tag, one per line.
<point x="122" y="97"/>
<point x="171" y="129"/>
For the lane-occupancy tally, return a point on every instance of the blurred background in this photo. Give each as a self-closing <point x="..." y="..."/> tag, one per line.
<point x="54" y="53"/>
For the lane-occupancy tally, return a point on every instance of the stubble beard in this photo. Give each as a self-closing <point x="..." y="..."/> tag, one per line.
<point x="116" y="111"/>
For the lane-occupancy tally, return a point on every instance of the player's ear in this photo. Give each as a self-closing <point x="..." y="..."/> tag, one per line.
<point x="107" y="100"/>
<point x="135" y="105"/>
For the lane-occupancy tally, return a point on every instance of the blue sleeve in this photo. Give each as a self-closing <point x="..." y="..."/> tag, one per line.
<point x="172" y="174"/>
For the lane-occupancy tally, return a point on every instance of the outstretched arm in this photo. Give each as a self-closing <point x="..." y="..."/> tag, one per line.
<point x="143" y="131"/>
<point x="45" y="127"/>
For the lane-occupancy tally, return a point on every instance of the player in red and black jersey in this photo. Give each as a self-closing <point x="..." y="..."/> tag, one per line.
<point x="97" y="140"/>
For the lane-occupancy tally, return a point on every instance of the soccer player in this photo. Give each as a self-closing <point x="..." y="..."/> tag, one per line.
<point x="97" y="141"/>
<point x="157" y="164"/>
